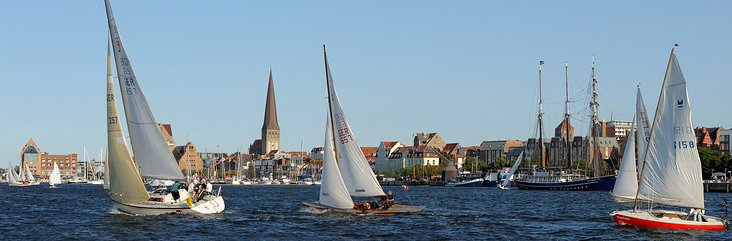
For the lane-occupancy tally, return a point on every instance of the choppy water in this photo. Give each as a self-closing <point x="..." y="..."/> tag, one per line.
<point x="80" y="211"/>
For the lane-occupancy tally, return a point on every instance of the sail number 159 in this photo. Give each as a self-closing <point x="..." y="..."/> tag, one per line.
<point x="683" y="144"/>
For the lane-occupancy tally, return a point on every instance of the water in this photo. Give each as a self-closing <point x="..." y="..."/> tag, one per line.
<point x="80" y="211"/>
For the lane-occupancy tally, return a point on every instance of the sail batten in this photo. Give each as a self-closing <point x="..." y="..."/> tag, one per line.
<point x="152" y="154"/>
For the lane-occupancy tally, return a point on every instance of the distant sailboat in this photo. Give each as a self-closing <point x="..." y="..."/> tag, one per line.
<point x="155" y="160"/>
<point x="671" y="173"/>
<point x="346" y="172"/>
<point x="29" y="177"/>
<point x="506" y="183"/>
<point x="14" y="179"/>
<point x="55" y="177"/>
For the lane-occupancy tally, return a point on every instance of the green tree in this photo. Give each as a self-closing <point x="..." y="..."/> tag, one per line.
<point x="710" y="159"/>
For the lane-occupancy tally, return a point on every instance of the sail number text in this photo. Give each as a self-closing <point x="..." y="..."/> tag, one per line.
<point x="683" y="144"/>
<point x="112" y="120"/>
<point x="343" y="133"/>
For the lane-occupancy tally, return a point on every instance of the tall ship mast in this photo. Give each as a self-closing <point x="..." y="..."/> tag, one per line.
<point x="559" y="179"/>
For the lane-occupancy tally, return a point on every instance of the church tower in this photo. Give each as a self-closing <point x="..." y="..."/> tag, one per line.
<point x="270" y="129"/>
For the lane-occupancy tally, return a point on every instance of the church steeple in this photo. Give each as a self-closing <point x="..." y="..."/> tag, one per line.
<point x="270" y="128"/>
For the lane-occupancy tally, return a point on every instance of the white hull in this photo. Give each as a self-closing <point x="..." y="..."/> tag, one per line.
<point x="209" y="205"/>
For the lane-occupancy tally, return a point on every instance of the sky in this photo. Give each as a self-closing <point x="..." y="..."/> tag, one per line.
<point x="467" y="70"/>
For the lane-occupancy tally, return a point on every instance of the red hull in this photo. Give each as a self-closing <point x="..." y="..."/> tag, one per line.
<point x="665" y="224"/>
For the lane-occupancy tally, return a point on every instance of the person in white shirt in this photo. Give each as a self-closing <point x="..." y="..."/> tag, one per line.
<point x="209" y="187"/>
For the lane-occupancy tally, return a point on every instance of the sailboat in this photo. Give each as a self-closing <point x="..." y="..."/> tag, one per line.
<point x="506" y="183"/>
<point x="671" y="173"/>
<point x="627" y="182"/>
<point x="105" y="185"/>
<point x="55" y="177"/>
<point x="14" y="179"/>
<point x="346" y="173"/>
<point x="29" y="177"/>
<point x="562" y="180"/>
<point x="155" y="160"/>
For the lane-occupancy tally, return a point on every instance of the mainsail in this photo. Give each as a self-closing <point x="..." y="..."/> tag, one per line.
<point x="357" y="174"/>
<point x="125" y="184"/>
<point x="672" y="170"/>
<point x="152" y="154"/>
<point x="627" y="183"/>
<point x="333" y="192"/>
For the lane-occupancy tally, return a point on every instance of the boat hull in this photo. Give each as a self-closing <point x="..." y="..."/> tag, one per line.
<point x="394" y="209"/>
<point x="206" y="206"/>
<point x="664" y="220"/>
<point x="606" y="183"/>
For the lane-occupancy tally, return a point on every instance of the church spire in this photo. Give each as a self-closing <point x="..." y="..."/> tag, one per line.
<point x="270" y="129"/>
<point x="270" y="111"/>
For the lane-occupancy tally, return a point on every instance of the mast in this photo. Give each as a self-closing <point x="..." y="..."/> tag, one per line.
<point x="541" y="123"/>
<point x="566" y="115"/>
<point x="653" y="127"/>
<point x="330" y="103"/>
<point x="595" y="123"/>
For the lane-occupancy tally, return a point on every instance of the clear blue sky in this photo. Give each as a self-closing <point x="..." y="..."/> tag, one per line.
<point x="465" y="69"/>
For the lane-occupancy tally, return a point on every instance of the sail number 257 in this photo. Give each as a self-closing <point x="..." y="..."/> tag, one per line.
<point x="683" y="144"/>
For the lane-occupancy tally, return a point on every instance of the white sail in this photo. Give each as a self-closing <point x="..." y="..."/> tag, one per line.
<point x="627" y="183"/>
<point x="125" y="184"/>
<point x="11" y="176"/>
<point x="152" y="154"/>
<point x="644" y="128"/>
<point x="506" y="182"/>
<point x="333" y="192"/>
<point x="106" y="169"/>
<point x="55" y="177"/>
<point x="29" y="174"/>
<point x="672" y="170"/>
<point x="357" y="174"/>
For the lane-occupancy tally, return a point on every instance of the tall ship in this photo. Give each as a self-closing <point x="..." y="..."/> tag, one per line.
<point x="570" y="176"/>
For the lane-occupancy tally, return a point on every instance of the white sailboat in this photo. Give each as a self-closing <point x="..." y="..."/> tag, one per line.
<point x="29" y="177"/>
<point x="506" y="183"/>
<point x="106" y="174"/>
<point x="55" y="177"/>
<point x="346" y="173"/>
<point x="671" y="173"/>
<point x="152" y="155"/>
<point x="14" y="179"/>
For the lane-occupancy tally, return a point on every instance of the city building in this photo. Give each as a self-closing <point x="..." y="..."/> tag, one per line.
<point x="708" y="137"/>
<point x="270" y="129"/>
<point x="385" y="149"/>
<point x="41" y="163"/>
<point x="431" y="140"/>
<point x="616" y="128"/>
<point x="188" y="158"/>
<point x="724" y="141"/>
<point x="490" y="151"/>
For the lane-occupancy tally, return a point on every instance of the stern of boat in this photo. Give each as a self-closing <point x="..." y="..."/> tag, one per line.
<point x="209" y="205"/>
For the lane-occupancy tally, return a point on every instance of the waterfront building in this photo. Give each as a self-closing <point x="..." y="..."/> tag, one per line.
<point x="724" y="141"/>
<point x="616" y="128"/>
<point x="410" y="156"/>
<point x="270" y="129"/>
<point x="431" y="140"/>
<point x="41" y="163"/>
<point x="490" y="151"/>
<point x="188" y="158"/>
<point x="167" y="134"/>
<point x="708" y="137"/>
<point x="385" y="149"/>
<point x="534" y="151"/>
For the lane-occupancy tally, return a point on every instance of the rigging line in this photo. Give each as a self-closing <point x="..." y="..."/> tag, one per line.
<point x="147" y="64"/>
